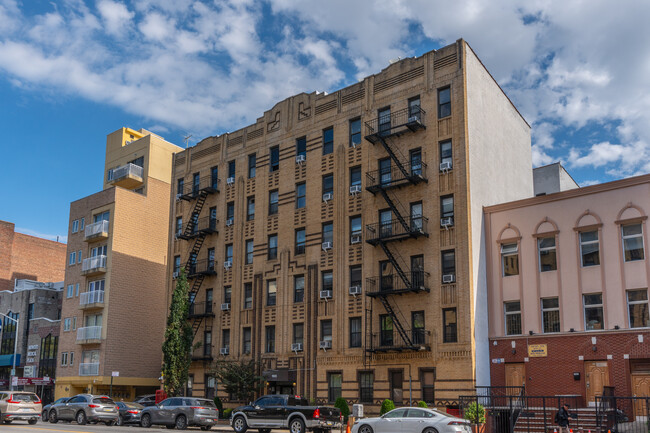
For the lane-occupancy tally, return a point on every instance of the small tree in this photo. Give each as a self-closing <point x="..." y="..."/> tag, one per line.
<point x="342" y="405"/>
<point x="475" y="413"/>
<point x="422" y="404"/>
<point x="177" y="347"/>
<point x="386" y="406"/>
<point x="239" y="378"/>
<point x="219" y="405"/>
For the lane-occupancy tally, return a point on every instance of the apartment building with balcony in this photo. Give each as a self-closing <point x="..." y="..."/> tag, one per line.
<point x="568" y="280"/>
<point x="336" y="240"/>
<point x="114" y="308"/>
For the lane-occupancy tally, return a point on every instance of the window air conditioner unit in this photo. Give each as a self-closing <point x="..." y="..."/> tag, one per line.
<point x="300" y="159"/>
<point x="224" y="350"/>
<point x="355" y="290"/>
<point x="296" y="347"/>
<point x="230" y="181"/>
<point x="328" y="196"/>
<point x="446" y="222"/>
<point x="326" y="344"/>
<point x="326" y="246"/>
<point x="326" y="294"/>
<point x="448" y="278"/>
<point x="229" y="222"/>
<point x="414" y="119"/>
<point x="355" y="189"/>
<point x="225" y="306"/>
<point x="227" y="264"/>
<point x="445" y="166"/>
<point x="176" y="274"/>
<point x="355" y="239"/>
<point x="178" y="197"/>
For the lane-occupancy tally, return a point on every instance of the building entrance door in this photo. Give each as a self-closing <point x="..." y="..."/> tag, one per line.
<point x="641" y="388"/>
<point x="596" y="378"/>
<point x="515" y="374"/>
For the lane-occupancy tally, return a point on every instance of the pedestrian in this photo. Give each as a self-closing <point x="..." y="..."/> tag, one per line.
<point x="562" y="418"/>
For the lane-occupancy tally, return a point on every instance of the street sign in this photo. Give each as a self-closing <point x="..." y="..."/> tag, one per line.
<point x="115" y="374"/>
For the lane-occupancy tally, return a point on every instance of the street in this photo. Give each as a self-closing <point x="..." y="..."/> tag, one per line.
<point x="64" y="427"/>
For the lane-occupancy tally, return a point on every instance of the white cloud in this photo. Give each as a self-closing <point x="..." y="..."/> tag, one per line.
<point x="117" y="18"/>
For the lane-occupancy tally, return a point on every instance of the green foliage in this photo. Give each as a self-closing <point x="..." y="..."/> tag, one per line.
<point x="386" y="406"/>
<point x="226" y="413"/>
<point x="422" y="404"/>
<point x="217" y="402"/>
<point x="239" y="378"/>
<point x="177" y="347"/>
<point x="475" y="412"/>
<point x="342" y="405"/>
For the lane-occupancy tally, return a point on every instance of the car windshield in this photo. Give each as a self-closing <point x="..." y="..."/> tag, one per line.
<point x="26" y="398"/>
<point x="133" y="405"/>
<point x="204" y="403"/>
<point x="103" y="400"/>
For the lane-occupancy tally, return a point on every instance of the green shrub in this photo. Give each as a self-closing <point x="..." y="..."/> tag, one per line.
<point x="475" y="413"/>
<point x="342" y="405"/>
<point x="422" y="404"/>
<point x="386" y="406"/>
<point x="217" y="402"/>
<point x="226" y="413"/>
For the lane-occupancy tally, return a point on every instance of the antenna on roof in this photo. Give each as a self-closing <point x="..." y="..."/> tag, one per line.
<point x="186" y="139"/>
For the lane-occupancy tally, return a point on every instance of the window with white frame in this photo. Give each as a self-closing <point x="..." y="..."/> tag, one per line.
<point x="64" y="359"/>
<point x="637" y="307"/>
<point x="66" y="324"/>
<point x="512" y="312"/>
<point x="79" y="256"/>
<point x="73" y="258"/>
<point x="75" y="226"/>
<point x="547" y="254"/>
<point x="593" y="305"/>
<point x="590" y="248"/>
<point x="510" y="259"/>
<point x="76" y="289"/>
<point x="70" y="292"/>
<point x="632" y="242"/>
<point x="550" y="315"/>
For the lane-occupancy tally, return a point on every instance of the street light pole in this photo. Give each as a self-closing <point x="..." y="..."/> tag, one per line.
<point x="13" y="370"/>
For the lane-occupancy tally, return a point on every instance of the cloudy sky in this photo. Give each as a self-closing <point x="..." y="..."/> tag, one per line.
<point x="71" y="71"/>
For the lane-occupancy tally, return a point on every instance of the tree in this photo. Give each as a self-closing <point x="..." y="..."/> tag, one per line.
<point x="177" y="347"/>
<point x="239" y="378"/>
<point x="386" y="406"/>
<point x="342" y="405"/>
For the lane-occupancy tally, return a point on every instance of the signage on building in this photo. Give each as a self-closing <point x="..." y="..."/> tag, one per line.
<point x="115" y="374"/>
<point x="537" y="350"/>
<point x="29" y="371"/>
<point x="21" y="381"/>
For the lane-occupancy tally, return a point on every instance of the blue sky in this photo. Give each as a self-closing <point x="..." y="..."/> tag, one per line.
<point x="72" y="71"/>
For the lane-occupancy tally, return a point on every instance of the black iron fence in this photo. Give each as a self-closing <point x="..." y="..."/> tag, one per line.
<point x="388" y="123"/>
<point x="623" y="414"/>
<point x="392" y="176"/>
<point x="193" y="189"/>
<point x="418" y="281"/>
<point x="396" y="229"/>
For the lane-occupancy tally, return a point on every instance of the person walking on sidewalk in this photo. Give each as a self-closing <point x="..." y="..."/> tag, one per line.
<point x="562" y="418"/>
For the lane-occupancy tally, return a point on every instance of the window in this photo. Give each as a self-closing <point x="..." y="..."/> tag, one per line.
<point x="249" y="252"/>
<point x="300" y="241"/>
<point x="366" y="386"/>
<point x="76" y="289"/>
<point x="79" y="256"/>
<point x="248" y="296"/>
<point x="334" y="381"/>
<point x="231" y="169"/>
<point x="385" y="173"/>
<point x="270" y="339"/>
<point x="427" y="379"/>
<point x="445" y="152"/>
<point x="230" y="211"/>
<point x="300" y="195"/>
<point x="417" y="327"/>
<point x="328" y="232"/>
<point x="252" y="161"/>
<point x="416" y="162"/>
<point x="180" y="185"/>
<point x="447" y="207"/>
<point x="637" y="306"/>
<point x="75" y="226"/>
<point x="298" y="288"/>
<point x="589" y="248"/>
<point x="179" y="226"/>
<point x="328" y="184"/>
<point x="386" y="276"/>
<point x="355" y="275"/>
<point x="444" y="103"/>
<point x="416" y="217"/>
<point x="448" y="264"/>
<point x="355" y="132"/>
<point x="414" y="107"/>
<point x="228" y="257"/>
<point x="207" y="343"/>
<point x="632" y="242"/>
<point x="64" y="358"/>
<point x="177" y="265"/>
<point x="196" y="183"/>
<point x="547" y="255"/>
<point x="355" y="176"/>
<point x="513" y="317"/>
<point x="385" y="223"/>
<point x="213" y="217"/>
<point x="246" y="340"/>
<point x="510" y="259"/>
<point x="449" y="323"/>
<point x="271" y="293"/>
<point x="327" y="280"/>
<point x="214" y="177"/>
<point x="298" y="333"/>
<point x="70" y="292"/>
<point x="225" y="338"/>
<point x="273" y="202"/>
<point x="73" y="258"/>
<point x="550" y="315"/>
<point x="593" y="304"/>
<point x="102" y="216"/>
<point x="328" y="140"/>
<point x="273" y="247"/>
<point x="82" y="224"/>
<point x="74" y="323"/>
<point x="355" y="226"/>
<point x="211" y="260"/>
<point x="250" y="208"/>
<point x="227" y="294"/>
<point x="326" y="330"/>
<point x="209" y="293"/>
<point x="383" y="116"/>
<point x="274" y="163"/>
<point x="386" y="330"/>
<point x="355" y="331"/>
<point x="97" y="285"/>
<point x="66" y="324"/>
<point x="301" y="147"/>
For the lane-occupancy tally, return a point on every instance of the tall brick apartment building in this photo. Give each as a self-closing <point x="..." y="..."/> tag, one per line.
<point x="336" y="240"/>
<point x="114" y="308"/>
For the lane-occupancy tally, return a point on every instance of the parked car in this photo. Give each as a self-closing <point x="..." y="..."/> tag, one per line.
<point x="47" y="407"/>
<point x="86" y="407"/>
<point x="181" y="412"/>
<point x="285" y="412"/>
<point x="146" y="400"/>
<point x="129" y="413"/>
<point x="19" y="405"/>
<point x="413" y="420"/>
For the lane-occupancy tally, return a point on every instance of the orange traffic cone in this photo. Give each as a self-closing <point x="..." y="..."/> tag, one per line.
<point x="347" y="430"/>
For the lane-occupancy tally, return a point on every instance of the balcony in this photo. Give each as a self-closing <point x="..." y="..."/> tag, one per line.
<point x="394" y="230"/>
<point x="94" y="299"/>
<point x="397" y="123"/>
<point x="393" y="177"/>
<point x="127" y="176"/>
<point x="96" y="232"/>
<point x="392" y="284"/>
<point x="89" y="369"/>
<point x="392" y="341"/>
<point x="205" y="185"/>
<point x="201" y="309"/>
<point x="201" y="267"/>
<point x="205" y="225"/>
<point x="93" y="266"/>
<point x="89" y="335"/>
<point x="203" y="353"/>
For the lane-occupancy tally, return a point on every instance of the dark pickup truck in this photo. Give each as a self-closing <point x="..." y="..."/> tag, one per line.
<point x="284" y="412"/>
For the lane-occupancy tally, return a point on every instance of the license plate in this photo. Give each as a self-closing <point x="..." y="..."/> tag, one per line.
<point x="108" y="409"/>
<point x="329" y="423"/>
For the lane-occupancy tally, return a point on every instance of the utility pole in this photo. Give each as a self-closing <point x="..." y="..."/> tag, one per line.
<point x="13" y="370"/>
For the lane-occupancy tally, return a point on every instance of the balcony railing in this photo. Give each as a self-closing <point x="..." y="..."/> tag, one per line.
<point x="96" y="231"/>
<point x="93" y="265"/>
<point x="395" y="123"/>
<point x="392" y="284"/>
<point x="89" y="369"/>
<point x="202" y="267"/>
<point x="127" y="176"/>
<point x="201" y="309"/>
<point x="206" y="225"/>
<point x="392" y="341"/>
<point x="94" y="297"/>
<point x="89" y="333"/>
<point x="192" y="190"/>
<point x="394" y="230"/>
<point x="393" y="177"/>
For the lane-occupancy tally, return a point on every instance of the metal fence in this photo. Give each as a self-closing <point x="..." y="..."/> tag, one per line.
<point x="623" y="414"/>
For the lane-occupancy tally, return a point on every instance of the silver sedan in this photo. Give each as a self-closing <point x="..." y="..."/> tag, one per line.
<point x="412" y="420"/>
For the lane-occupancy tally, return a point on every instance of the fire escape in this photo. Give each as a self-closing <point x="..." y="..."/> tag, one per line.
<point x="396" y="277"/>
<point x="195" y="231"/>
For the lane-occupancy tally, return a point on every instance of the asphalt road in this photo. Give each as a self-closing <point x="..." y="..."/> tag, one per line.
<point x="71" y="427"/>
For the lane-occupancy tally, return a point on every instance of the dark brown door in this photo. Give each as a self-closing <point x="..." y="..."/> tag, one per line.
<point x="396" y="384"/>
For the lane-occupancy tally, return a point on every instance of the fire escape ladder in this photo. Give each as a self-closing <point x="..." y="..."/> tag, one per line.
<point x="394" y="157"/>
<point x="196" y="324"/>
<point x="194" y="216"/>
<point x="396" y="321"/>
<point x="396" y="212"/>
<point x="396" y="265"/>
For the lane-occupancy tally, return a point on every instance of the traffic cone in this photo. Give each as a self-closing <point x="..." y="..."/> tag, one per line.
<point x="347" y="430"/>
<point x="554" y="430"/>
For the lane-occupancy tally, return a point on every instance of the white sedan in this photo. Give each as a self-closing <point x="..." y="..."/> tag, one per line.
<point x="412" y="420"/>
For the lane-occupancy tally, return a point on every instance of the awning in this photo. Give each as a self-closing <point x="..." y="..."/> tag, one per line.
<point x="8" y="360"/>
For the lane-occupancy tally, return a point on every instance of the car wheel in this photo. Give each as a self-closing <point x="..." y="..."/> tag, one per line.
<point x="239" y="424"/>
<point x="52" y="417"/>
<point x="430" y="430"/>
<point x="8" y="421"/>
<point x="181" y="422"/>
<point x="81" y="418"/>
<point x="266" y="430"/>
<point x="32" y="421"/>
<point x="170" y="426"/>
<point x="206" y="427"/>
<point x="297" y="425"/>
<point x="365" y="429"/>
<point x="110" y="423"/>
<point x="145" y="421"/>
<point x="119" y="421"/>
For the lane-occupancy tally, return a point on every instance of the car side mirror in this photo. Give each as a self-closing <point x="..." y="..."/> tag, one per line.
<point x="257" y="408"/>
<point x="160" y="406"/>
